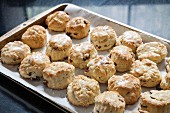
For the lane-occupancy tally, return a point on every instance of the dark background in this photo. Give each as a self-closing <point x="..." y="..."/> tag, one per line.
<point x="152" y="16"/>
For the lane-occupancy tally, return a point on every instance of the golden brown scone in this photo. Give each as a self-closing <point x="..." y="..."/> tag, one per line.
<point x="123" y="58"/>
<point x="154" y="51"/>
<point x="81" y="54"/>
<point x="57" y="21"/>
<point x="78" y="28"/>
<point x="165" y="83"/>
<point x="130" y="39"/>
<point x="58" y="47"/>
<point x="103" y="37"/>
<point x="127" y="85"/>
<point x="100" y="68"/>
<point x="32" y="66"/>
<point x="82" y="91"/>
<point x="147" y="72"/>
<point x="58" y="75"/>
<point x="109" y="102"/>
<point x="168" y="64"/>
<point x="35" y="36"/>
<point x="14" y="52"/>
<point x="155" y="101"/>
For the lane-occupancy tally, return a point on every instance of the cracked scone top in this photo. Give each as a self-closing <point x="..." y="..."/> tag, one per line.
<point x="147" y="72"/>
<point x="57" y="21"/>
<point x="168" y="64"/>
<point x="35" y="36"/>
<point x="100" y="68"/>
<point x="103" y="37"/>
<point x="155" y="101"/>
<point x="14" y="52"/>
<point x="82" y="91"/>
<point x="109" y="102"/>
<point x="81" y="54"/>
<point x="165" y="82"/>
<point x="78" y="28"/>
<point x="58" y="47"/>
<point x="127" y="85"/>
<point x="130" y="39"/>
<point x="154" y="51"/>
<point x="123" y="58"/>
<point x="58" y="75"/>
<point x="32" y="66"/>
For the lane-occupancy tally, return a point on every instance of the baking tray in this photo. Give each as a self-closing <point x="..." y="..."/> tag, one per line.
<point x="58" y="97"/>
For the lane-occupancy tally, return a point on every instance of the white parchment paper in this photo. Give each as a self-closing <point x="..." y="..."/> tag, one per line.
<point x="59" y="96"/>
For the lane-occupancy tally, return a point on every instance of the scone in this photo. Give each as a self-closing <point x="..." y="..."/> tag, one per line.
<point x="103" y="37"/>
<point x="35" y="36"/>
<point x="127" y="85"/>
<point x="58" y="75"/>
<point x="130" y="39"/>
<point x="155" y="101"/>
<point x="100" y="68"/>
<point x="165" y="82"/>
<point x="123" y="58"/>
<point x="109" y="102"/>
<point x="147" y="72"/>
<point x="14" y="52"/>
<point x="168" y="64"/>
<point x="154" y="51"/>
<point x="78" y="28"/>
<point x="58" y="47"/>
<point x="82" y="91"/>
<point x="32" y="66"/>
<point x="81" y="54"/>
<point x="57" y="21"/>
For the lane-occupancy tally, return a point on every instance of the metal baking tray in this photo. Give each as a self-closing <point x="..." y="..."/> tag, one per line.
<point x="58" y="97"/>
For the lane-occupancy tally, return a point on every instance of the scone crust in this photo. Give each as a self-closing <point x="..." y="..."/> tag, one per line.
<point x="78" y="28"/>
<point x="32" y="66"/>
<point x="82" y="91"/>
<point x="147" y="72"/>
<point x="165" y="82"/>
<point x="81" y="54"/>
<point x="127" y="85"/>
<point x="58" y="75"/>
<point x="57" y="21"/>
<point x="14" y="52"/>
<point x="168" y="64"/>
<point x="155" y="101"/>
<point x="58" y="47"/>
<point x="154" y="51"/>
<point x="35" y="36"/>
<point x="100" y="68"/>
<point x="109" y="102"/>
<point x="70" y="96"/>
<point x="103" y="37"/>
<point x="123" y="58"/>
<point x="130" y="39"/>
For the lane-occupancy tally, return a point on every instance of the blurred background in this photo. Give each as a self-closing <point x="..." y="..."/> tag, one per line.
<point x="152" y="16"/>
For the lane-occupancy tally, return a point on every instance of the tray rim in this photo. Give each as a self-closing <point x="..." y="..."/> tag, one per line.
<point x="47" y="12"/>
<point x="36" y="93"/>
<point x="29" y="22"/>
<point x="8" y="35"/>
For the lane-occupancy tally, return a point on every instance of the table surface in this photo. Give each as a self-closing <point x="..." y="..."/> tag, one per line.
<point x="151" y="15"/>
